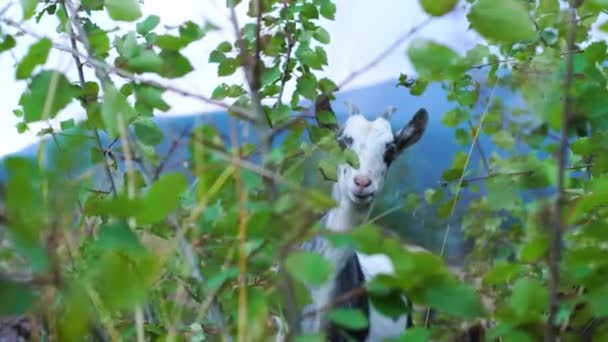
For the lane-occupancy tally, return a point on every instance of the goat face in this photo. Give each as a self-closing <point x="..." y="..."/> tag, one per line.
<point x="376" y="147"/>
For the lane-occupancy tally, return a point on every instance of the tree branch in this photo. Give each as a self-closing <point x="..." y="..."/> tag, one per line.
<point x="240" y="112"/>
<point x="384" y="54"/>
<point x="559" y="226"/>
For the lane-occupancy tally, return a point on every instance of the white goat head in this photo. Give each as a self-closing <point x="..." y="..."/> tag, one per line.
<point x="376" y="147"/>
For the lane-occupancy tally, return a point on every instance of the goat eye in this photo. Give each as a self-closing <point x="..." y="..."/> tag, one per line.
<point x="345" y="142"/>
<point x="390" y="152"/>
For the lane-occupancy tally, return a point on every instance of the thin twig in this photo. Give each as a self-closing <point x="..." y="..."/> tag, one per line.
<point x="512" y="174"/>
<point x="559" y="226"/>
<point x="172" y="149"/>
<point x="385" y="53"/>
<point x="290" y="44"/>
<point x="480" y="150"/>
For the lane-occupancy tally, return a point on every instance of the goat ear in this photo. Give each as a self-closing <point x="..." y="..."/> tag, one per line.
<point x="413" y="131"/>
<point x="324" y="114"/>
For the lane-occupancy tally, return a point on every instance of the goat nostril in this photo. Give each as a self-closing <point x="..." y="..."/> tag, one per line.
<point x="363" y="181"/>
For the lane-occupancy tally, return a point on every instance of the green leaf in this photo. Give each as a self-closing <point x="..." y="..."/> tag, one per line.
<point x="351" y="158"/>
<point x="36" y="55"/>
<point x="349" y="318"/>
<point x="270" y="75"/>
<point x="308" y="267"/>
<point x="169" y="42"/>
<point x="224" y="47"/>
<point x="529" y="299"/>
<point x="16" y="298"/>
<point x="438" y="8"/>
<point x="502" y="194"/>
<point x="114" y="105"/>
<point x="123" y="10"/>
<point x="29" y="8"/>
<point x="598" y="300"/>
<point x="435" y="61"/>
<point x="147" y="24"/>
<point x="227" y="67"/>
<point x="148" y="132"/>
<point x="454" y="117"/>
<point x="118" y="236"/>
<point x="503" y="139"/>
<point x="328" y="168"/>
<point x="176" y="65"/>
<point x="414" y="334"/>
<point x="48" y="93"/>
<point x="490" y="18"/>
<point x="146" y="61"/>
<point x="8" y="42"/>
<point x="306" y="85"/>
<point x="162" y="198"/>
<point x="454" y="298"/>
<point x="328" y="9"/>
<point x="321" y="35"/>
<point x="150" y="97"/>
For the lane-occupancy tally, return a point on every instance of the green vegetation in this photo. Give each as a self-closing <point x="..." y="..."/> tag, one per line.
<point x="101" y="238"/>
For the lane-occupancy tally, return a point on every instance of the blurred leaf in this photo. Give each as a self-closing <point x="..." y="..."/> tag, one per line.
<point x="8" y="42"/>
<point x="454" y="298"/>
<point x="48" y="92"/>
<point x="598" y="299"/>
<point x="454" y="117"/>
<point x="148" y="132"/>
<point x="349" y="318"/>
<point x="176" y="65"/>
<point x="162" y="197"/>
<point x="435" y="61"/>
<point x="36" y="55"/>
<point x="327" y="9"/>
<point x="321" y="35"/>
<point x="413" y="334"/>
<point x="502" y="273"/>
<point x="123" y="10"/>
<point x="309" y="268"/>
<point x="438" y="8"/>
<point x="389" y="304"/>
<point x="147" y="25"/>
<point x="529" y="299"/>
<point x="146" y="61"/>
<point x="319" y="200"/>
<point x="114" y="105"/>
<point x="28" y="7"/>
<point x="490" y="18"/>
<point x="16" y="299"/>
<point x="306" y="85"/>
<point x="118" y="236"/>
<point x="351" y="158"/>
<point x="329" y="169"/>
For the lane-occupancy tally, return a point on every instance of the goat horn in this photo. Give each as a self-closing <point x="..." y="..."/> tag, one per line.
<point x="352" y="109"/>
<point x="388" y="112"/>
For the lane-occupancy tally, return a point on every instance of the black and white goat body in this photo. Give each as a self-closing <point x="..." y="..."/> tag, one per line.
<point x="376" y="146"/>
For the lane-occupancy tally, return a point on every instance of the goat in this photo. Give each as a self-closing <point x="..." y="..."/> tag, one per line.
<point x="376" y="147"/>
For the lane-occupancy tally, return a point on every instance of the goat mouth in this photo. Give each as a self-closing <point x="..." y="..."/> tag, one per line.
<point x="363" y="196"/>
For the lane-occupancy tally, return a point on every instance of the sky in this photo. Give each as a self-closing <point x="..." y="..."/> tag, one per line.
<point x="362" y="30"/>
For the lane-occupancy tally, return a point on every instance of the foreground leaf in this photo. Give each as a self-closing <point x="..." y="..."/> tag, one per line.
<point x="505" y="21"/>
<point x="309" y="268"/>
<point x="438" y="8"/>
<point x="349" y="318"/>
<point x="48" y="93"/>
<point x="123" y="10"/>
<point x="36" y="55"/>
